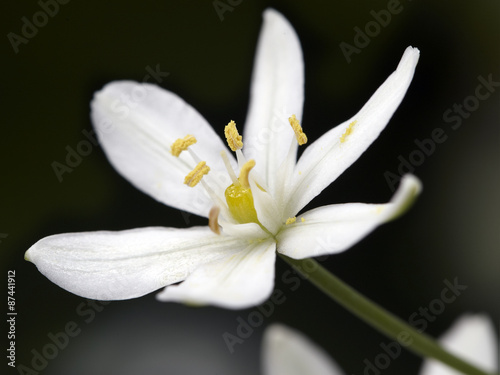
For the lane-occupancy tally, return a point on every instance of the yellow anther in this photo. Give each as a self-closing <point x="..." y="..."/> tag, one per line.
<point x="347" y="132"/>
<point x="244" y="172"/>
<point x="302" y="219"/>
<point x="213" y="217"/>
<point x="290" y="220"/>
<point x="232" y="136"/>
<point x="182" y="144"/>
<point x="299" y="134"/>
<point x="196" y="174"/>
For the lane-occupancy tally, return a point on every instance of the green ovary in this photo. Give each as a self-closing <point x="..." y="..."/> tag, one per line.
<point x="240" y="202"/>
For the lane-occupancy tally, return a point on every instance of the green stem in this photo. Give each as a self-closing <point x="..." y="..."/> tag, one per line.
<point x="373" y="314"/>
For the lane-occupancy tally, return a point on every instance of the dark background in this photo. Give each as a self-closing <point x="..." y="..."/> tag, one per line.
<point x="451" y="232"/>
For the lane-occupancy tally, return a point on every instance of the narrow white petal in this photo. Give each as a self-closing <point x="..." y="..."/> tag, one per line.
<point x="324" y="160"/>
<point x="137" y="123"/>
<point x="237" y="281"/>
<point x="277" y="92"/>
<point x="268" y="212"/>
<point x="287" y="351"/>
<point x="472" y="337"/>
<point x="121" y="265"/>
<point x="335" y="228"/>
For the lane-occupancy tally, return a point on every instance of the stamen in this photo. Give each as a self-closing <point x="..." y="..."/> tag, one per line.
<point x="195" y="176"/>
<point x="347" y="132"/>
<point x="244" y="172"/>
<point x="213" y="217"/>
<point x="182" y="144"/>
<point x="225" y="159"/>
<point x="215" y="198"/>
<point x="291" y="220"/>
<point x="232" y="136"/>
<point x="299" y="134"/>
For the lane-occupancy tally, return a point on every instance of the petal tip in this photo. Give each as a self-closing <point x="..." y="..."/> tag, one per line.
<point x="412" y="50"/>
<point x="409" y="189"/>
<point x="476" y="322"/>
<point x="412" y="183"/>
<point x="409" y="59"/>
<point x="270" y="13"/>
<point x="114" y="88"/>
<point x="272" y="16"/>
<point x="277" y="333"/>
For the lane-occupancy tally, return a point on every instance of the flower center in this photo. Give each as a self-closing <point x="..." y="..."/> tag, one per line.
<point x="238" y="195"/>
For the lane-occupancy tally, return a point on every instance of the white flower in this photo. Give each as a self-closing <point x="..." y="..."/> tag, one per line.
<point x="141" y="127"/>
<point x="471" y="337"/>
<point x="286" y="351"/>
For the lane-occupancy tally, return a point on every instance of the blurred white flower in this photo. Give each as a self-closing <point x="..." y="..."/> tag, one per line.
<point x="287" y="351"/>
<point x="157" y="141"/>
<point x="471" y="337"/>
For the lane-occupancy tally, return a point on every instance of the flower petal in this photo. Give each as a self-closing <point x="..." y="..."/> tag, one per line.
<point x="335" y="228"/>
<point x="250" y="231"/>
<point x="266" y="208"/>
<point x="237" y="281"/>
<point x="472" y="337"/>
<point x="121" y="265"/>
<point x="277" y="92"/>
<point x="324" y="160"/>
<point x="137" y="124"/>
<point x="287" y="351"/>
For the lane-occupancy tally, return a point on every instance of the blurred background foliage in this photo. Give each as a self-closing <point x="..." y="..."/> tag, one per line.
<point x="451" y="232"/>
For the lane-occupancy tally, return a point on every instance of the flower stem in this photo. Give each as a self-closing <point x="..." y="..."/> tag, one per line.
<point x="379" y="318"/>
